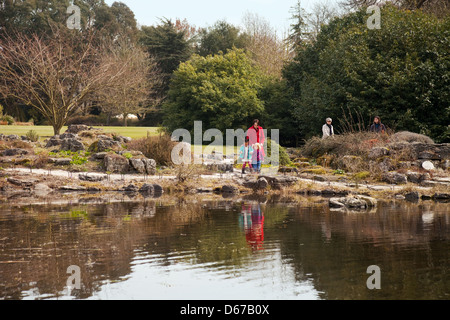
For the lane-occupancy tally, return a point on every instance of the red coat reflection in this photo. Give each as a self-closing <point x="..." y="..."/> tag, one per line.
<point x="252" y="223"/>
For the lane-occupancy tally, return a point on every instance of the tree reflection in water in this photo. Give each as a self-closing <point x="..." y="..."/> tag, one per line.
<point x="332" y="250"/>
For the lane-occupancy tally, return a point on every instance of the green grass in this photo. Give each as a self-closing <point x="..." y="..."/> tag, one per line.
<point x="47" y="131"/>
<point x="217" y="149"/>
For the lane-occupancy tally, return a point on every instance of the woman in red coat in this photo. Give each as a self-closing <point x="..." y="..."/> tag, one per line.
<point x="256" y="139"/>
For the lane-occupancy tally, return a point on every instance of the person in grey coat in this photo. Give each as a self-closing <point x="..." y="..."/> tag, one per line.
<point x="327" y="129"/>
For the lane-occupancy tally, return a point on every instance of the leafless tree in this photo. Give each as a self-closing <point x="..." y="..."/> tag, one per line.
<point x="268" y="50"/>
<point x="321" y="14"/>
<point x="55" y="75"/>
<point x="138" y="82"/>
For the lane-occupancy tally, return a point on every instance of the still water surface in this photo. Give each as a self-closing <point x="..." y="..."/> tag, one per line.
<point x="224" y="249"/>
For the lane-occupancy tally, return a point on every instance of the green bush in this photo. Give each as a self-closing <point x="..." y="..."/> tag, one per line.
<point x="10" y="120"/>
<point x="32" y="136"/>
<point x="283" y="156"/>
<point x="77" y="159"/>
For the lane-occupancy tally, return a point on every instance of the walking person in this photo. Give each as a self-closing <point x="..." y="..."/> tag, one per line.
<point x="256" y="138"/>
<point x="377" y="126"/>
<point x="246" y="153"/>
<point x="328" y="129"/>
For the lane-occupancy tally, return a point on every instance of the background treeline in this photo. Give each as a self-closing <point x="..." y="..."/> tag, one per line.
<point x="329" y="64"/>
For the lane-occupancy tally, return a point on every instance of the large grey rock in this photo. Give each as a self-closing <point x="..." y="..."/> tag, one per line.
<point x="279" y="182"/>
<point x="72" y="144"/>
<point x="412" y="196"/>
<point x="395" y="178"/>
<point x="75" y="128"/>
<point x="22" y="182"/>
<point x="150" y="166"/>
<point x="99" y="155"/>
<point x="261" y="183"/>
<point x="108" y="144"/>
<point x="68" y="135"/>
<point x="417" y="177"/>
<point x="151" y="190"/>
<point x="14" y="152"/>
<point x="53" y="142"/>
<point x="229" y="189"/>
<point x="116" y="163"/>
<point x="353" y="202"/>
<point x="60" y="161"/>
<point x="138" y="165"/>
<point x="12" y="137"/>
<point x="73" y="188"/>
<point x="91" y="178"/>
<point x="130" y="188"/>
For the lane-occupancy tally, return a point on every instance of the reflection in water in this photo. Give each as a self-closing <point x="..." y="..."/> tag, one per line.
<point x="222" y="249"/>
<point x="251" y="220"/>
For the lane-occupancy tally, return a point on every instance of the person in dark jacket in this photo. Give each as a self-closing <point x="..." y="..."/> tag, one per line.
<point x="377" y="126"/>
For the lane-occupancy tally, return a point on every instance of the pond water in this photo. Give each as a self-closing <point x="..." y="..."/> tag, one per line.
<point x="224" y="249"/>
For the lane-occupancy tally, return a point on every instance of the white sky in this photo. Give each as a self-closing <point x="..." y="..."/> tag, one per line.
<point x="204" y="13"/>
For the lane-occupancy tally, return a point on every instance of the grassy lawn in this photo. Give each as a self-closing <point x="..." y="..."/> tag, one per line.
<point x="223" y="150"/>
<point x="47" y="131"/>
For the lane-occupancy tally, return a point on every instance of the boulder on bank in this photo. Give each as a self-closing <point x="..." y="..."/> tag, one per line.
<point x="353" y="202"/>
<point x="138" y="165"/>
<point x="14" y="152"/>
<point x="116" y="163"/>
<point x="229" y="189"/>
<point x="76" y="128"/>
<point x="22" y="182"/>
<point x="395" y="178"/>
<point x="279" y="182"/>
<point x="91" y="178"/>
<point x="150" y="166"/>
<point x="72" y="144"/>
<point x="143" y="165"/>
<point x="66" y="142"/>
<point x="108" y="144"/>
<point x="151" y="190"/>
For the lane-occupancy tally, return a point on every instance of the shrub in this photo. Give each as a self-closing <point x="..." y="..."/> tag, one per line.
<point x="346" y="144"/>
<point x="77" y="159"/>
<point x="283" y="156"/>
<point x="158" y="148"/>
<point x="128" y="155"/>
<point x="411" y="137"/>
<point x="41" y="160"/>
<point x="361" y="175"/>
<point x="8" y="119"/>
<point x="32" y="136"/>
<point x="315" y="170"/>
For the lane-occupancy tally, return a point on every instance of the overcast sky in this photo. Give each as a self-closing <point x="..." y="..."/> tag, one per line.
<point x="204" y="13"/>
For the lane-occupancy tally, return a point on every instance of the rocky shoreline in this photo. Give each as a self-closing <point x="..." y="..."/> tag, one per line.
<point x="112" y="169"/>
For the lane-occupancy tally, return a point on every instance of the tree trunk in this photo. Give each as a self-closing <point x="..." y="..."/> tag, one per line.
<point x="125" y="117"/>
<point x="57" y="129"/>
